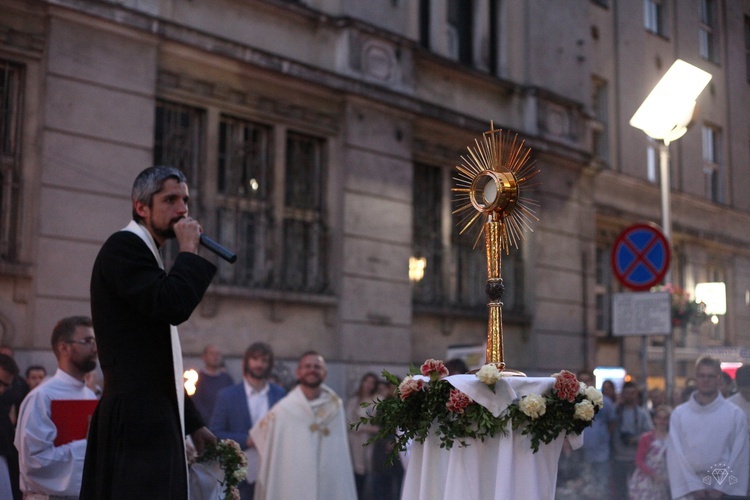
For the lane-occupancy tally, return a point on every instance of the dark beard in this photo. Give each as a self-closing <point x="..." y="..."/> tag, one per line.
<point x="166" y="233"/>
<point x="86" y="365"/>
<point x="259" y="374"/>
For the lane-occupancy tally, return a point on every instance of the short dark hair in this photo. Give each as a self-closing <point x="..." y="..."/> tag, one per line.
<point x="151" y="181"/>
<point x="35" y="367"/>
<point x="65" y="328"/>
<point x="742" y="376"/>
<point x="708" y="361"/>
<point x="258" y="349"/>
<point x="8" y="364"/>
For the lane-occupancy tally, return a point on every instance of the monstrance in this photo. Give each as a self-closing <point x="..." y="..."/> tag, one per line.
<point x="490" y="185"/>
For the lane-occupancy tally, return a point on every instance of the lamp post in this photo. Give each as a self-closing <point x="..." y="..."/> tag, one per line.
<point x="664" y="116"/>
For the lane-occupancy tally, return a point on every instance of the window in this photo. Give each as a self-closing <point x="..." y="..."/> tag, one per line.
<point x="271" y="211"/>
<point x="747" y="47"/>
<point x="179" y="140"/>
<point x="11" y="100"/>
<point x="305" y="232"/>
<point x="178" y="134"/>
<point x="244" y="204"/>
<point x="600" y="126"/>
<point x="427" y="237"/>
<point x="424" y="23"/>
<point x="712" y="168"/>
<point x="455" y="272"/>
<point x="708" y="31"/>
<point x="460" y="32"/>
<point x="653" y="16"/>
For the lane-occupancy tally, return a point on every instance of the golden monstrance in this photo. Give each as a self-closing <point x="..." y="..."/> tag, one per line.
<point x="490" y="184"/>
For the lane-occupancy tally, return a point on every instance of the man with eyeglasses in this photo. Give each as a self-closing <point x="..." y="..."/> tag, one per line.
<point x="48" y="470"/>
<point x="707" y="451"/>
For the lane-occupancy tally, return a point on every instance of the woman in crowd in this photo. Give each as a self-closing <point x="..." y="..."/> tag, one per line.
<point x="361" y="455"/>
<point x="649" y="480"/>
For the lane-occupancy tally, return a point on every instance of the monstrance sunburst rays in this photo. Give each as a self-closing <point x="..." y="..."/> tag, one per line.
<point x="491" y="181"/>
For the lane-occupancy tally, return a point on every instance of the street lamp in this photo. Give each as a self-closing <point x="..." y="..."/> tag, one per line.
<point x="664" y="116"/>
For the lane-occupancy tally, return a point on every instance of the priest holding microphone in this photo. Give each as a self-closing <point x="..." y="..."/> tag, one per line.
<point x="136" y="445"/>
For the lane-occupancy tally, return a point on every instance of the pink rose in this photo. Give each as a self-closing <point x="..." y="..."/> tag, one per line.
<point x="458" y="401"/>
<point x="567" y="386"/>
<point x="409" y="386"/>
<point x="434" y="369"/>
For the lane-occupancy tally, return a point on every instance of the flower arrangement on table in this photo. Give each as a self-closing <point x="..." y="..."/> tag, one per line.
<point x="232" y="461"/>
<point x="430" y="404"/>
<point x="685" y="311"/>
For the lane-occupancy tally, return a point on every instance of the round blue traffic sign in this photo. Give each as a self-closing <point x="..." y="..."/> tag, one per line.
<point x="640" y="256"/>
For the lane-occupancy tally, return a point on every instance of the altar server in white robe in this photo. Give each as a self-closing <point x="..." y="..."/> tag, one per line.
<point x="302" y="441"/>
<point x="708" y="448"/>
<point x="46" y="469"/>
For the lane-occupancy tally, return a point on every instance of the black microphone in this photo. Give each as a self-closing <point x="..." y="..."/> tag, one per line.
<point x="219" y="250"/>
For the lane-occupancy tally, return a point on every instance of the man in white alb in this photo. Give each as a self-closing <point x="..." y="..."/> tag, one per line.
<point x="302" y="442"/>
<point x="48" y="470"/>
<point x="708" y="449"/>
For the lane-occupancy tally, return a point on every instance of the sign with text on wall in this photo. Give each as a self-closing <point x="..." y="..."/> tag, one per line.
<point x="641" y="313"/>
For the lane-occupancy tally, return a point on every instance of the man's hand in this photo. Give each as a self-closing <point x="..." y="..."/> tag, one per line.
<point x="201" y="438"/>
<point x="188" y="233"/>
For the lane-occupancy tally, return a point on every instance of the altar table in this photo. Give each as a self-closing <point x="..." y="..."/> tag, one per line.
<point x="504" y="467"/>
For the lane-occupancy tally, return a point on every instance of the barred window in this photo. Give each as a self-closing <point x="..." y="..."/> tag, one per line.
<point x="11" y="100"/>
<point x="455" y="272"/>
<point x="178" y="140"/>
<point x="427" y="240"/>
<point x="270" y="211"/>
<point x="244" y="204"/>
<point x="305" y="230"/>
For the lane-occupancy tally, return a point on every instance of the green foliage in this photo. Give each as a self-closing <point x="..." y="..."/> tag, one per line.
<point x="426" y="407"/>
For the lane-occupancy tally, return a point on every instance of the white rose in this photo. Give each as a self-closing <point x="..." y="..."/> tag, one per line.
<point x="595" y="396"/>
<point x="533" y="405"/>
<point x="489" y="374"/>
<point x="584" y="410"/>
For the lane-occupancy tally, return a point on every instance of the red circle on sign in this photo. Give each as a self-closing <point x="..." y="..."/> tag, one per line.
<point x="640" y="256"/>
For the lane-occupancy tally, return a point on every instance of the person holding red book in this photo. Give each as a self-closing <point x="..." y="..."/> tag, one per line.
<point x="59" y="406"/>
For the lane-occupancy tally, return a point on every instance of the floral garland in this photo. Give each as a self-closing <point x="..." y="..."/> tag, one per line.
<point x="419" y="407"/>
<point x="684" y="310"/>
<point x="232" y="461"/>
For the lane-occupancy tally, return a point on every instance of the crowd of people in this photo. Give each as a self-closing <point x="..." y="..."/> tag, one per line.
<point x="68" y="436"/>
<point x="641" y="448"/>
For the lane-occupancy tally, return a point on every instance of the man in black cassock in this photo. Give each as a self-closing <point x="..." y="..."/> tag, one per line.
<point x="136" y="442"/>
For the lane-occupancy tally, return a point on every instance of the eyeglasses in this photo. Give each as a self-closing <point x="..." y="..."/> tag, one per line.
<point x="86" y="341"/>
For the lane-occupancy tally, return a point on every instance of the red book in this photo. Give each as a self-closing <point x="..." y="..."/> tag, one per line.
<point x="72" y="417"/>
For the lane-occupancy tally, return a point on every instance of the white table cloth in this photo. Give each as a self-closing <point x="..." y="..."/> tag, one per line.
<point x="504" y="467"/>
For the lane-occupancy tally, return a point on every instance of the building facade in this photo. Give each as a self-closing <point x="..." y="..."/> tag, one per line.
<point x="320" y="139"/>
